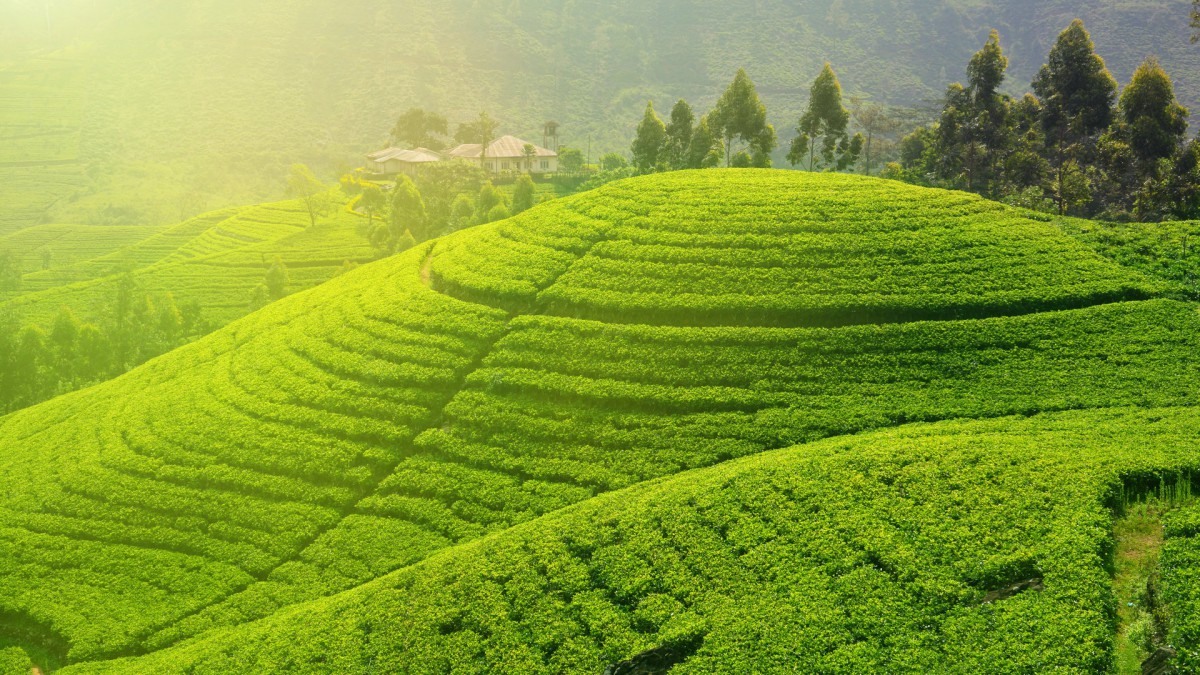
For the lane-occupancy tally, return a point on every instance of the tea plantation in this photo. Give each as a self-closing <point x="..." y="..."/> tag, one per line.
<point x="732" y="421"/>
<point x="214" y="260"/>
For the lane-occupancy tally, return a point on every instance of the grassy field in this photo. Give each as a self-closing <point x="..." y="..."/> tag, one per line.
<point x="488" y="453"/>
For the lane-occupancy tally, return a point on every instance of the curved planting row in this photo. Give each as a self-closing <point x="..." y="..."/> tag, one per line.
<point x="690" y="249"/>
<point x="435" y="400"/>
<point x="957" y="547"/>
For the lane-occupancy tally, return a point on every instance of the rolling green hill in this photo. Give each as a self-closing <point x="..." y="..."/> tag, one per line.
<point x="215" y="260"/>
<point x="149" y="111"/>
<point x="527" y="446"/>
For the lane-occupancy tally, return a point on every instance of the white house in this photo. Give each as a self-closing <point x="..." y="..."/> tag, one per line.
<point x="509" y="153"/>
<point x="397" y="160"/>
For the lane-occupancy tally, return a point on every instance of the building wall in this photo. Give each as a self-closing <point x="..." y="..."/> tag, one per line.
<point x="521" y="165"/>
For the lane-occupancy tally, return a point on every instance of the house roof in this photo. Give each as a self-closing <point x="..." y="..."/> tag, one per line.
<point x="505" y="147"/>
<point x="414" y="156"/>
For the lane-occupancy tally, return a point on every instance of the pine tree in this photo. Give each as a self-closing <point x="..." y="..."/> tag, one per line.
<point x="823" y="123"/>
<point x="650" y="142"/>
<point x="741" y="116"/>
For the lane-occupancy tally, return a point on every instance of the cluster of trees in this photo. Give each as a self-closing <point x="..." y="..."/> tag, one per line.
<point x="443" y="198"/>
<point x="1071" y="146"/>
<point x="736" y="132"/>
<point x="37" y="364"/>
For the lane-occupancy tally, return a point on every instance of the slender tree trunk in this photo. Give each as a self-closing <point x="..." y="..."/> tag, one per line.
<point x="870" y="135"/>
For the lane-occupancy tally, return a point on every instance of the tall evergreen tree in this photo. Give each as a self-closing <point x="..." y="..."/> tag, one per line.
<point x="650" y="142"/>
<point x="705" y="150"/>
<point x="679" y="135"/>
<point x="972" y="131"/>
<point x="1077" y="93"/>
<point x="1156" y="121"/>
<point x="823" y="124"/>
<point x="740" y="115"/>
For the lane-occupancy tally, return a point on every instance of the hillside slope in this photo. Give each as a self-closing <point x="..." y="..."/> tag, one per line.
<point x="214" y="260"/>
<point x="148" y="106"/>
<point x="494" y="377"/>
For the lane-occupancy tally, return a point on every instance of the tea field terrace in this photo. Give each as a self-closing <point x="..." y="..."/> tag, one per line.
<point x="480" y="395"/>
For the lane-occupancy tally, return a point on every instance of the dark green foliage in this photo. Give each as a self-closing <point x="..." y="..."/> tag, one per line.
<point x="1075" y="88"/>
<point x="679" y="133"/>
<point x="570" y="160"/>
<point x="822" y="128"/>
<point x="613" y="161"/>
<point x="649" y="145"/>
<point x="705" y="150"/>
<point x="1156" y="120"/>
<point x="1067" y="149"/>
<point x="441" y="186"/>
<point x="741" y="116"/>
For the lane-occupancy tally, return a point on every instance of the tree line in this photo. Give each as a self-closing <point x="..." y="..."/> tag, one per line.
<point x="442" y="198"/>
<point x="39" y="363"/>
<point x="1076" y="144"/>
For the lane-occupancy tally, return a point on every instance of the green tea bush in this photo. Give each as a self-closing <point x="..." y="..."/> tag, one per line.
<point x="431" y="463"/>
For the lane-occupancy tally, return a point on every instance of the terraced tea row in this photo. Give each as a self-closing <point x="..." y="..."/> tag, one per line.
<point x="215" y="260"/>
<point x="306" y="429"/>
<point x="702" y="255"/>
<point x="438" y="398"/>
<point x="965" y="546"/>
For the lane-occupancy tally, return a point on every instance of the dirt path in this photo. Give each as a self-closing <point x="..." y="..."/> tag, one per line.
<point x="427" y="267"/>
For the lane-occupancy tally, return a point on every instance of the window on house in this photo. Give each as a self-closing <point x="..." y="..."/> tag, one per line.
<point x="545" y="164"/>
<point x="505" y="166"/>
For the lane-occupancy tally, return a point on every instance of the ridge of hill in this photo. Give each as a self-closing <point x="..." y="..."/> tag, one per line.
<point x="469" y="403"/>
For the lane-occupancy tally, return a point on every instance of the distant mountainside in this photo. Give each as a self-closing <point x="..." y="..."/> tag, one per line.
<point x="163" y="109"/>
